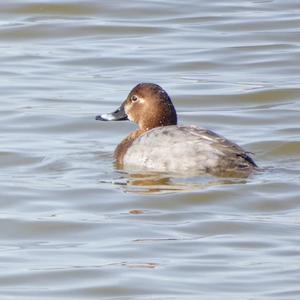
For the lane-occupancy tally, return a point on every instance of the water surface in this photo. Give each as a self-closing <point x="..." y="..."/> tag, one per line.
<point x="74" y="227"/>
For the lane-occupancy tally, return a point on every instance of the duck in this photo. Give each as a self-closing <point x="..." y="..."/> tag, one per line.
<point x="161" y="145"/>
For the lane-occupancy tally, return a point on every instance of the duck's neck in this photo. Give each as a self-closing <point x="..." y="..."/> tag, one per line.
<point x="159" y="115"/>
<point x="157" y="122"/>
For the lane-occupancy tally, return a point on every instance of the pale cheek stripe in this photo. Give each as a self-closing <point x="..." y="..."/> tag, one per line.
<point x="129" y="118"/>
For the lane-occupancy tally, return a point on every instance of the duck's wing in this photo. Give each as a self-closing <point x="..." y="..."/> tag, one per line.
<point x="219" y="142"/>
<point x="187" y="149"/>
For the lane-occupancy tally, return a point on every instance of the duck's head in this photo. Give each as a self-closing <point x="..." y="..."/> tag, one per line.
<point x="148" y="105"/>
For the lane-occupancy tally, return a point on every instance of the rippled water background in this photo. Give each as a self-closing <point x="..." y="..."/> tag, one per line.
<point x="73" y="227"/>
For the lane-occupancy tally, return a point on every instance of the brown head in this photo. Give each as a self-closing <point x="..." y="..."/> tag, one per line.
<point x="148" y="105"/>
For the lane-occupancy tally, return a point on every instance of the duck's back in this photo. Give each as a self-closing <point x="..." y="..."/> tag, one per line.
<point x="187" y="150"/>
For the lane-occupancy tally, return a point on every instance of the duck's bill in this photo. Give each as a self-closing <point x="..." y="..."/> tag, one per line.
<point x="118" y="115"/>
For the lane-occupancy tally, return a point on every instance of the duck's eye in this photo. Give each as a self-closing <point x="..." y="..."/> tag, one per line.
<point x="134" y="98"/>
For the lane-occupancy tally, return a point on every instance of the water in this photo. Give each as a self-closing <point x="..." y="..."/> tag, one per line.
<point x="72" y="226"/>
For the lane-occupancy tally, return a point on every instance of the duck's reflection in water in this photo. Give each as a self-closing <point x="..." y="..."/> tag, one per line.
<point x="147" y="183"/>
